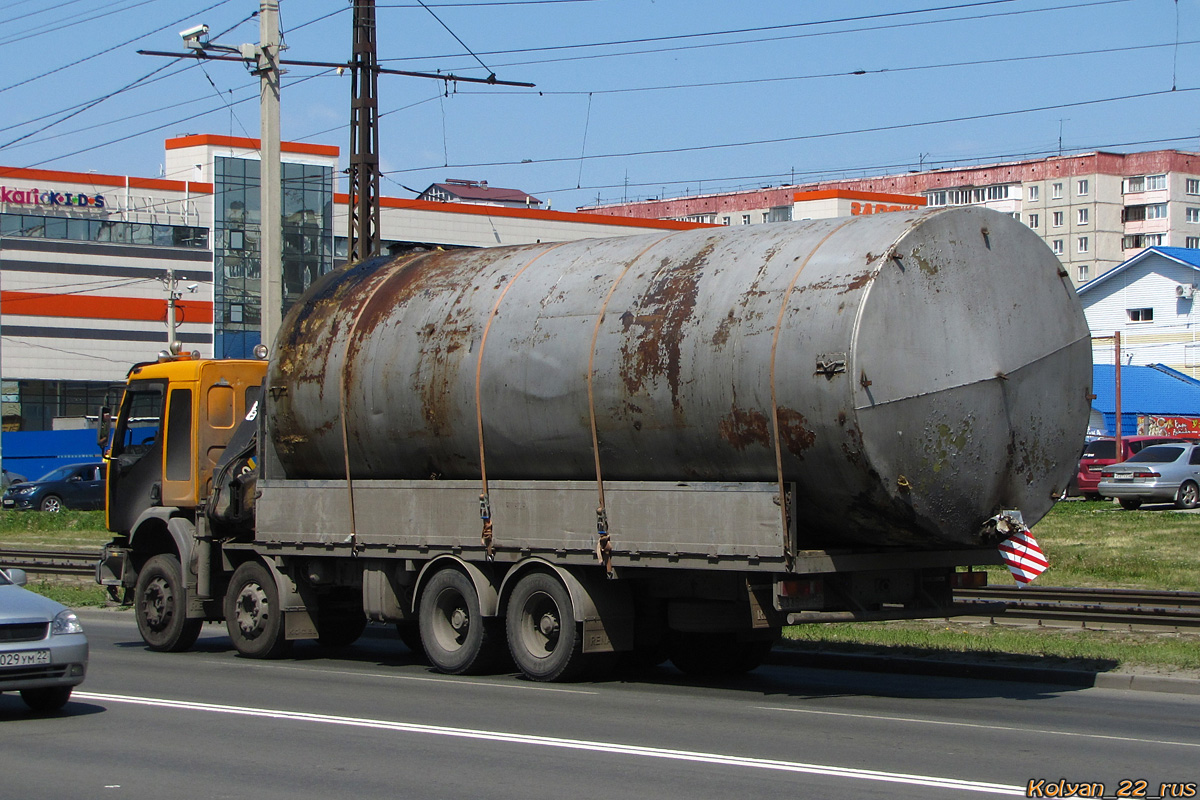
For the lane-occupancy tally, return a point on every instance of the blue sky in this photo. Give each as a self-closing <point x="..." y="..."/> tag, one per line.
<point x="715" y="95"/>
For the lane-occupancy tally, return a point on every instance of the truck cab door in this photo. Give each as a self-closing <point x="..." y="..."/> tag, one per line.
<point x="135" y="462"/>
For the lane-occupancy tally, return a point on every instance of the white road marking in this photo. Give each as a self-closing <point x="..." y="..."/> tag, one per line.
<point x="880" y="718"/>
<point x="605" y="748"/>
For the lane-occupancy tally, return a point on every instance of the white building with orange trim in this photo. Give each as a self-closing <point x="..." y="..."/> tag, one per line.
<point x="87" y="260"/>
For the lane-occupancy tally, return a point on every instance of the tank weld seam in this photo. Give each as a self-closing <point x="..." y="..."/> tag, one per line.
<point x="999" y="375"/>
<point x="785" y="517"/>
<point x="604" y="546"/>
<point x="485" y="502"/>
<point x="343" y="395"/>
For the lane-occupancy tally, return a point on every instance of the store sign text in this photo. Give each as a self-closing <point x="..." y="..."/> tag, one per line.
<point x="857" y="209"/>
<point x="34" y="197"/>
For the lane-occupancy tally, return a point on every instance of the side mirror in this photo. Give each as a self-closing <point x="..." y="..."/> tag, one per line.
<point x="17" y="576"/>
<point x="103" y="427"/>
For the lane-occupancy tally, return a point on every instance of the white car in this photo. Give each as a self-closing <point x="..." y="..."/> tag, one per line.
<point x="43" y="650"/>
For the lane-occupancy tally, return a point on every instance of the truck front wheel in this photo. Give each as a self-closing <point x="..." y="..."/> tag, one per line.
<point x="252" y="613"/>
<point x="160" y="605"/>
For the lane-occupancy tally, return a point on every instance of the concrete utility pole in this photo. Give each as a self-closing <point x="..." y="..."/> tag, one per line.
<point x="271" y="175"/>
<point x="262" y="60"/>
<point x="174" y="346"/>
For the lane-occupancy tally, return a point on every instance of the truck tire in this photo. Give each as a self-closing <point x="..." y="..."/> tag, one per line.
<point x="160" y="606"/>
<point x="252" y="613"/>
<point x="543" y="636"/>
<point x="710" y="654"/>
<point x="454" y="634"/>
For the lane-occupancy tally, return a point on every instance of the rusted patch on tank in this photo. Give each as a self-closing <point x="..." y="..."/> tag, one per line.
<point x="841" y="284"/>
<point x="744" y="428"/>
<point x="721" y="336"/>
<point x="852" y="446"/>
<point x="794" y="432"/>
<point x="663" y="313"/>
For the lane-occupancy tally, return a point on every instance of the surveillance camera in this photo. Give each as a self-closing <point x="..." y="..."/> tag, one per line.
<point x="191" y="287"/>
<point x="194" y="34"/>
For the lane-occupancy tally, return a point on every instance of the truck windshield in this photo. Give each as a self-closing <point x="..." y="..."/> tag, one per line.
<point x="140" y="418"/>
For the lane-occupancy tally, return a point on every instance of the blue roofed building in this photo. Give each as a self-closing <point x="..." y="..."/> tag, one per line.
<point x="1155" y="401"/>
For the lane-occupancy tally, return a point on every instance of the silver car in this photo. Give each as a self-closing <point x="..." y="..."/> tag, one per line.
<point x="43" y="650"/>
<point x="1163" y="473"/>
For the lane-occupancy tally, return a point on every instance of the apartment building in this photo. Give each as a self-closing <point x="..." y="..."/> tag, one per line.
<point x="1095" y="210"/>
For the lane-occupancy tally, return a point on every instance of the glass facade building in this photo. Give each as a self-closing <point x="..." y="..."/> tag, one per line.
<point x="237" y="222"/>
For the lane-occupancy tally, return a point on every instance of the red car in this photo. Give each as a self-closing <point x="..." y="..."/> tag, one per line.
<point x="1100" y="453"/>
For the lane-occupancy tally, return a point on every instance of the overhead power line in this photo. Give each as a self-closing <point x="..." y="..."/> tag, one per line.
<point x="803" y="137"/>
<point x="720" y="184"/>
<point x="658" y="40"/>
<point x="61" y="24"/>
<point x="845" y="73"/>
<point x="114" y="47"/>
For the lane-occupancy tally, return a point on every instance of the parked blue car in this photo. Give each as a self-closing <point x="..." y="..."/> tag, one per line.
<point x="77" y="486"/>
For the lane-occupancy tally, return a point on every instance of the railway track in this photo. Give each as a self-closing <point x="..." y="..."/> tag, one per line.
<point x="51" y="562"/>
<point x="1092" y="608"/>
<point x="1086" y="608"/>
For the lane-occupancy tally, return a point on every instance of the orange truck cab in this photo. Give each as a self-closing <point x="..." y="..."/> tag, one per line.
<point x="176" y="417"/>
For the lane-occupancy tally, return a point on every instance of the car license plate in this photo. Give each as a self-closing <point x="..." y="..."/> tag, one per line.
<point x="25" y="658"/>
<point x="9" y="503"/>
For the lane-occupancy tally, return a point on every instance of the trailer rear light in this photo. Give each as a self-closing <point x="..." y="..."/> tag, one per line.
<point x="968" y="580"/>
<point x="800" y="594"/>
<point x="800" y="588"/>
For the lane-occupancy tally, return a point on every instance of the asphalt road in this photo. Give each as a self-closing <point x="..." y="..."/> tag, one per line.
<point x="371" y="722"/>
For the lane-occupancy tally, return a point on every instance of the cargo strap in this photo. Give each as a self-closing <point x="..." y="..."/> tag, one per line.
<point x="485" y="502"/>
<point x="788" y="555"/>
<point x="344" y="388"/>
<point x="603" y="536"/>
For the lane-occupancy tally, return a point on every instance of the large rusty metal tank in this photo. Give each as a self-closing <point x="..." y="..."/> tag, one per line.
<point x="914" y="373"/>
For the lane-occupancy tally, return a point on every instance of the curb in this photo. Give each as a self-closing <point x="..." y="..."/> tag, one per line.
<point x="978" y="670"/>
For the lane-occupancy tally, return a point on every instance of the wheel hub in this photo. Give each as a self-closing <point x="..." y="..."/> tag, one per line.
<point x="156" y="606"/>
<point x="460" y="620"/>
<point x="252" y="610"/>
<point x="547" y="625"/>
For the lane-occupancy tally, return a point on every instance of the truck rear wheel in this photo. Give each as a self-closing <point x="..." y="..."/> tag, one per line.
<point x="455" y="636"/>
<point x="252" y="613"/>
<point x="160" y="606"/>
<point x="543" y="637"/>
